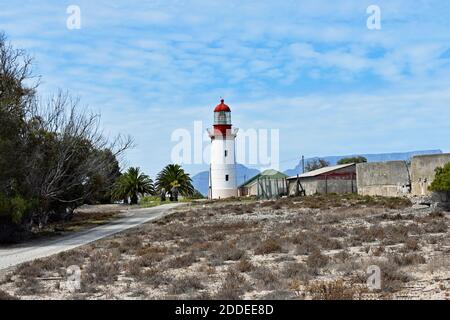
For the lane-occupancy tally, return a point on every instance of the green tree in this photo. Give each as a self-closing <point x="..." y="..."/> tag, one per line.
<point x="99" y="187"/>
<point x="173" y="175"/>
<point x="53" y="156"/>
<point x="441" y="182"/>
<point x="358" y="159"/>
<point x="17" y="93"/>
<point x="315" y="164"/>
<point x="132" y="184"/>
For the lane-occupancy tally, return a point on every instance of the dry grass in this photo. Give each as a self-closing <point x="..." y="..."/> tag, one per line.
<point x="103" y="267"/>
<point x="267" y="279"/>
<point x="316" y="247"/>
<point x="316" y="260"/>
<point x="227" y="251"/>
<point x="244" y="265"/>
<point x="186" y="284"/>
<point x="270" y="245"/>
<point x="182" y="261"/>
<point x="295" y="270"/>
<point x="335" y="290"/>
<point x="233" y="286"/>
<point x="6" y="296"/>
<point x="407" y="259"/>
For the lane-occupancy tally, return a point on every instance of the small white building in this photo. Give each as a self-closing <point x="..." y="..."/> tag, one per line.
<point x="222" y="172"/>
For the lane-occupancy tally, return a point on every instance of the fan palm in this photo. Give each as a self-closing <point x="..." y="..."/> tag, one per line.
<point x="173" y="175"/>
<point x="132" y="184"/>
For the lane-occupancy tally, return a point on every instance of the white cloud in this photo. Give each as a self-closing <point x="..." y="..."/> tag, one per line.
<point x="154" y="66"/>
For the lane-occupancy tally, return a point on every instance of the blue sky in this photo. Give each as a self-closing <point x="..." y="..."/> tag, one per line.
<point x="311" y="69"/>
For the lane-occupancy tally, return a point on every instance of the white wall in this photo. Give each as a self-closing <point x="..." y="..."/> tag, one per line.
<point x="221" y="166"/>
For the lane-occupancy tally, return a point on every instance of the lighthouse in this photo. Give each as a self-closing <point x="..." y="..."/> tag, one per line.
<point x="222" y="171"/>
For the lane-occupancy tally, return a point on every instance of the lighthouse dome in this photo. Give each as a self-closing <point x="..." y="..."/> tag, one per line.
<point x="222" y="107"/>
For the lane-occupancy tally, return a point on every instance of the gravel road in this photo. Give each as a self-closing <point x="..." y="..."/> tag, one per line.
<point x="18" y="254"/>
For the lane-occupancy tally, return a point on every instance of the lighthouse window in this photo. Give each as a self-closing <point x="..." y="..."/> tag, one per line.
<point x="226" y="153"/>
<point x="227" y="177"/>
<point x="222" y="117"/>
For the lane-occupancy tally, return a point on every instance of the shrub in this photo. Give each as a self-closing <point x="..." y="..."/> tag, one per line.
<point x="244" y="265"/>
<point x="155" y="278"/>
<point x="130" y="244"/>
<point x="29" y="286"/>
<point x="182" y="261"/>
<point x="29" y="270"/>
<point x="395" y="234"/>
<point x="6" y="296"/>
<point x="335" y="290"/>
<point x="228" y="251"/>
<point x="134" y="268"/>
<point x="392" y="278"/>
<point x="316" y="260"/>
<point x="279" y="295"/>
<point x="268" y="246"/>
<point x="15" y="207"/>
<point x="342" y="256"/>
<point x="296" y="270"/>
<point x="186" y="284"/>
<point x="306" y="247"/>
<point x="441" y="181"/>
<point x="436" y="226"/>
<point x="269" y="279"/>
<point x="233" y="287"/>
<point x="407" y="259"/>
<point x="103" y="267"/>
<point x="323" y="241"/>
<point x="412" y="244"/>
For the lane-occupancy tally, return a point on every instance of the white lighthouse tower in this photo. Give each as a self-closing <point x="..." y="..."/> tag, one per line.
<point x="222" y="172"/>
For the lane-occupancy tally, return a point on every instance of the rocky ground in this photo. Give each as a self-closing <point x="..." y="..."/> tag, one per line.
<point x="298" y="248"/>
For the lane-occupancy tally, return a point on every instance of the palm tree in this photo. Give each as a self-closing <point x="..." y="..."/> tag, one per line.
<point x="131" y="184"/>
<point x="174" y="176"/>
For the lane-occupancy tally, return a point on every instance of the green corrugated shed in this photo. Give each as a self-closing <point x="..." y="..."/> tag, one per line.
<point x="269" y="184"/>
<point x="266" y="174"/>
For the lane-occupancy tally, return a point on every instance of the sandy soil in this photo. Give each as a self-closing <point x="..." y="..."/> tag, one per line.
<point x="303" y="248"/>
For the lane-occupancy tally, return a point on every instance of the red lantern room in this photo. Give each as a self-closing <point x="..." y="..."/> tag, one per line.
<point x="222" y="118"/>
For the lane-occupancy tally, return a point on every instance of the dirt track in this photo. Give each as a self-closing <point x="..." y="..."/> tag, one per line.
<point x="38" y="249"/>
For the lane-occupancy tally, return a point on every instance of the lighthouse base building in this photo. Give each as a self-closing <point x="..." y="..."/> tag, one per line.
<point x="222" y="172"/>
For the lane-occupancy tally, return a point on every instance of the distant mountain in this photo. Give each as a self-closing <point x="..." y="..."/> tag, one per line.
<point x="381" y="157"/>
<point x="200" y="180"/>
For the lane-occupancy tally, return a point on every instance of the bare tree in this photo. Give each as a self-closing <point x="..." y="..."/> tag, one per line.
<point x="52" y="153"/>
<point x="15" y="70"/>
<point x="68" y="153"/>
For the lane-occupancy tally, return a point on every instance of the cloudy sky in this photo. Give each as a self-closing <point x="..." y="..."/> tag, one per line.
<point x="311" y="69"/>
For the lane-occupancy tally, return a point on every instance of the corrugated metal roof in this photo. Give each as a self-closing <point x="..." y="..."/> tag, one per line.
<point x="320" y="171"/>
<point x="269" y="174"/>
